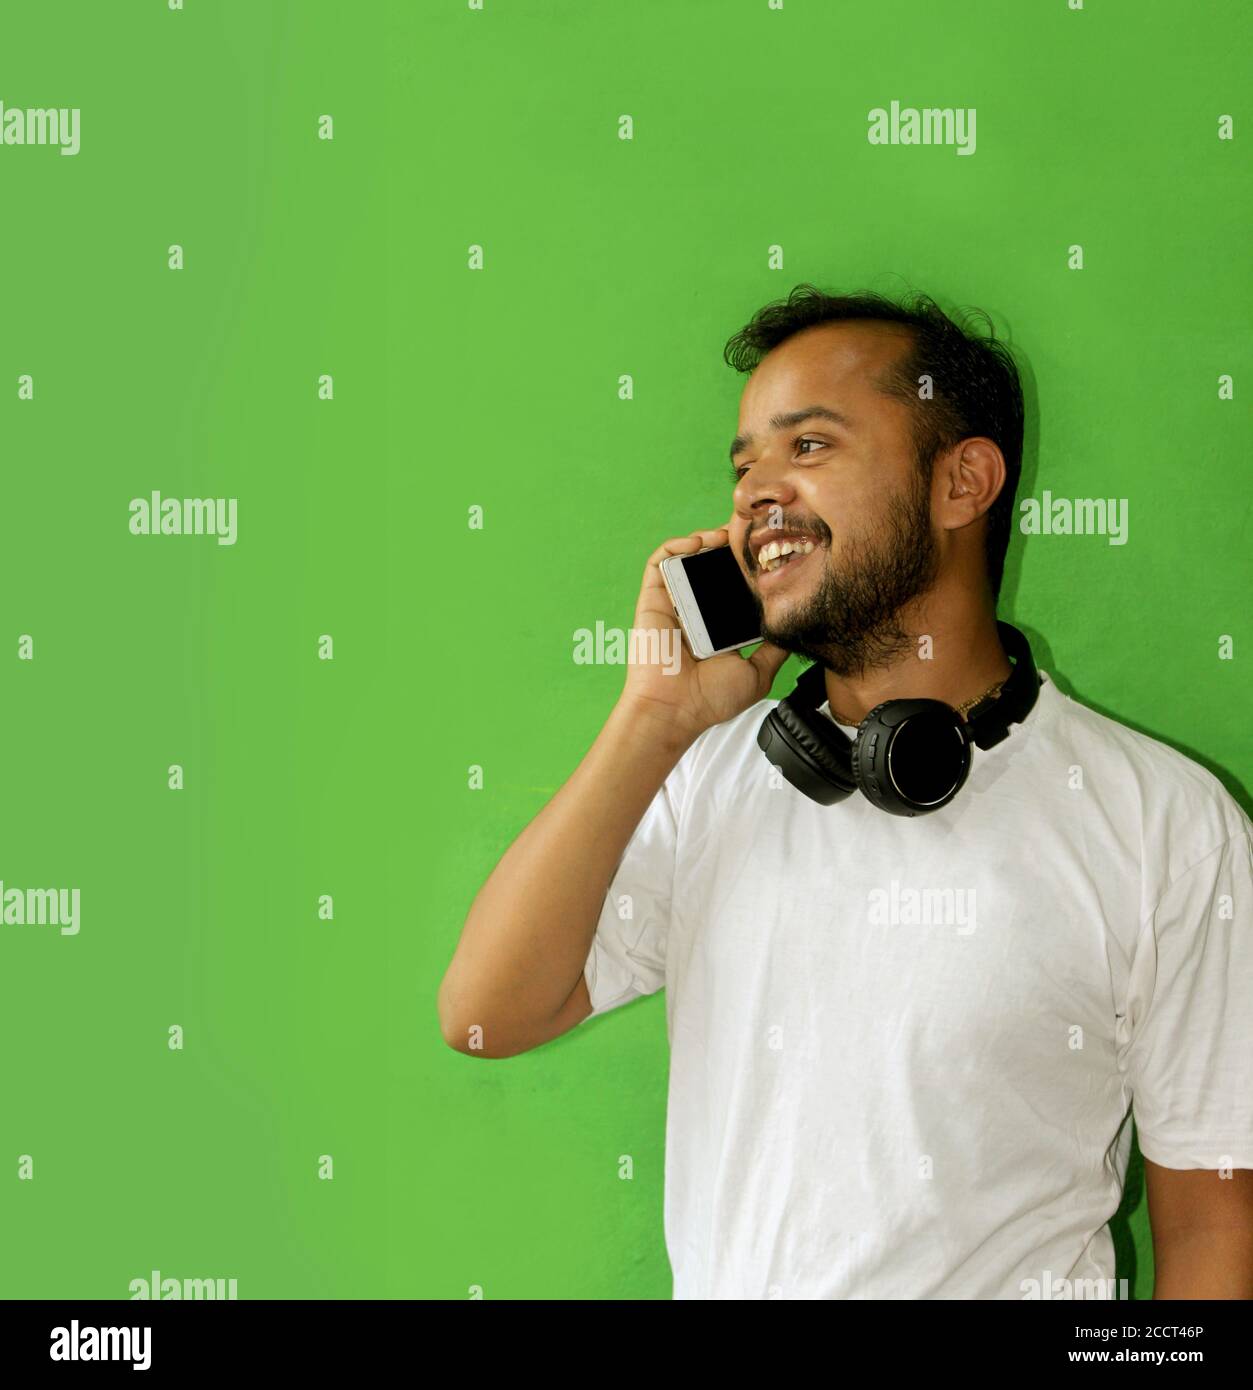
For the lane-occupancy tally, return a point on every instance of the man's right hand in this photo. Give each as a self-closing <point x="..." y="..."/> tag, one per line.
<point x="701" y="693"/>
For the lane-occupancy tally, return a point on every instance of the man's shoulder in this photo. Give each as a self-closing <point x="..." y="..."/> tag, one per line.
<point x="1155" y="773"/>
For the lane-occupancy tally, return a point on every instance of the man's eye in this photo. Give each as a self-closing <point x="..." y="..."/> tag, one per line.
<point x="738" y="472"/>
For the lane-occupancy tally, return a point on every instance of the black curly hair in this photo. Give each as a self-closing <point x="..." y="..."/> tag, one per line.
<point x="976" y="390"/>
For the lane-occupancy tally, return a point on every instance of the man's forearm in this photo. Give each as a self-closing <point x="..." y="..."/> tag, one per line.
<point x="529" y="930"/>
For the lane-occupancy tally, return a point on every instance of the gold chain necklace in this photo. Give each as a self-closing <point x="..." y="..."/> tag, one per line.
<point x="961" y="709"/>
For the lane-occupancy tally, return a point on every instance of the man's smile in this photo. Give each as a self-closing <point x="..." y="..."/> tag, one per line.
<point x="778" y="561"/>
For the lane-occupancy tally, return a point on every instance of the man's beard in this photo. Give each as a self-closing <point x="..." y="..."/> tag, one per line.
<point x="852" y="623"/>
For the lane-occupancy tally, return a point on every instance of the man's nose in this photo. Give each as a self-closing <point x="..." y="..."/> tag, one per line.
<point x="759" y="489"/>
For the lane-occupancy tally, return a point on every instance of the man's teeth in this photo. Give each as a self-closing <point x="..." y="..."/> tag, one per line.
<point x="770" y="556"/>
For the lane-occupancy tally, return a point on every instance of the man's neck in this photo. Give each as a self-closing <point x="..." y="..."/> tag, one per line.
<point x="953" y="660"/>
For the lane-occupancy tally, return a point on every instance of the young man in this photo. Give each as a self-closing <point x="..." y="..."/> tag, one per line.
<point x="868" y="1099"/>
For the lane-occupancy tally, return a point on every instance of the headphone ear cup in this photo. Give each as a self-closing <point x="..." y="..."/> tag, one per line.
<point x="911" y="757"/>
<point x="813" y="764"/>
<point x="831" y="757"/>
<point x="864" y="755"/>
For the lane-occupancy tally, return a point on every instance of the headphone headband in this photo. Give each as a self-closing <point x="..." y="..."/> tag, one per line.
<point x="990" y="719"/>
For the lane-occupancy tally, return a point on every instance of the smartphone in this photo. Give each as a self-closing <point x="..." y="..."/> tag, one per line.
<point x="712" y="601"/>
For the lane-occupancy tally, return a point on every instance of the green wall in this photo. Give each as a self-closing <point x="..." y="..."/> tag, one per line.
<point x="499" y="388"/>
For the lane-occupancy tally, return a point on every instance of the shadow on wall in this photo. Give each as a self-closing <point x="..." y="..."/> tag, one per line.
<point x="1039" y="645"/>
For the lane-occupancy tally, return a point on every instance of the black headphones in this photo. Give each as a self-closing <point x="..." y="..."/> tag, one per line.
<point x="909" y="756"/>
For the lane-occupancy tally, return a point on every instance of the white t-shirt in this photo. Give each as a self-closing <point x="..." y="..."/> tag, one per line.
<point x="883" y="1089"/>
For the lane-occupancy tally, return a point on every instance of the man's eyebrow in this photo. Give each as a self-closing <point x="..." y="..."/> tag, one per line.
<point x="787" y="420"/>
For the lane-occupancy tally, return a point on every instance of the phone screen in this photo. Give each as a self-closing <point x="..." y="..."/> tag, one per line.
<point x="723" y="596"/>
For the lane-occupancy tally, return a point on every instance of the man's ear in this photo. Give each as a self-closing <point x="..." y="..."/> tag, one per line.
<point x="968" y="480"/>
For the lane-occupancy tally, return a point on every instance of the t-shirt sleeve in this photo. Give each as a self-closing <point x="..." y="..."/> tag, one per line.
<point x="628" y="955"/>
<point x="1190" y="1006"/>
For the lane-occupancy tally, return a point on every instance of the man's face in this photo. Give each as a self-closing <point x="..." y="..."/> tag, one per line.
<point x="851" y="488"/>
